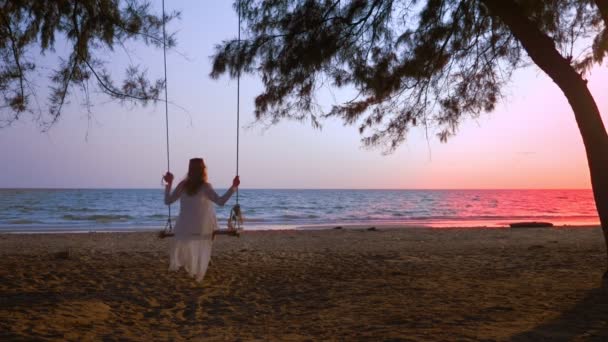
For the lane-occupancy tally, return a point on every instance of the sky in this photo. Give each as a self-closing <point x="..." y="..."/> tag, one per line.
<point x="530" y="141"/>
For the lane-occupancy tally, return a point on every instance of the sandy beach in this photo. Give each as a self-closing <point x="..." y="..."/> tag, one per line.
<point x="389" y="284"/>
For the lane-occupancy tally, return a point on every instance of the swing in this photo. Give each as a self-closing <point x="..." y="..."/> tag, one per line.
<point x="235" y="219"/>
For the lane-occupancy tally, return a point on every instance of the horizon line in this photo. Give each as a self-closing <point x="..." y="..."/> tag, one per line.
<point x="287" y="188"/>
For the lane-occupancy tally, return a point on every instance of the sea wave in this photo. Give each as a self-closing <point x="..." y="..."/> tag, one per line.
<point x="77" y="209"/>
<point x="298" y="217"/>
<point x="97" y="218"/>
<point x="253" y="220"/>
<point x="23" y="221"/>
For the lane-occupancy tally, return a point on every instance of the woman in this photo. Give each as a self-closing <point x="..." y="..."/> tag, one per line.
<point x="191" y="246"/>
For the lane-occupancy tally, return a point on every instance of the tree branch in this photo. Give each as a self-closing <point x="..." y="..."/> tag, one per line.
<point x="16" y="57"/>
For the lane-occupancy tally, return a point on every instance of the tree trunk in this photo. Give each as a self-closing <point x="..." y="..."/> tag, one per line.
<point x="542" y="51"/>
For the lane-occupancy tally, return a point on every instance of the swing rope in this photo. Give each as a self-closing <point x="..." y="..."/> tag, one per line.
<point x="238" y="97"/>
<point x="169" y="225"/>
<point x="235" y="220"/>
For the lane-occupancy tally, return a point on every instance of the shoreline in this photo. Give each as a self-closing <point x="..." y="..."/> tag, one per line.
<point x="430" y="224"/>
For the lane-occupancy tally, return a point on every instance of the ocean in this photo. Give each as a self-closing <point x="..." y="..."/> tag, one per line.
<point x="82" y="210"/>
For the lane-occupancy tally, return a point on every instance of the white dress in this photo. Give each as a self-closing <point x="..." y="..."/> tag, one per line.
<point x="191" y="245"/>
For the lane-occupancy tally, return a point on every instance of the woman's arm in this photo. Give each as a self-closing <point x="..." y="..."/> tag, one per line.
<point x="217" y="199"/>
<point x="213" y="196"/>
<point x="172" y="197"/>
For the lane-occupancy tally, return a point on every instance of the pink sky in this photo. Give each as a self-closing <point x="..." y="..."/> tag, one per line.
<point x="531" y="141"/>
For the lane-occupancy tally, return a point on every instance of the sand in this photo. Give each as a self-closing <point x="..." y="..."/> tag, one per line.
<point x="349" y="285"/>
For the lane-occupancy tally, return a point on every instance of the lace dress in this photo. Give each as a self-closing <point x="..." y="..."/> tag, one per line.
<point x="191" y="246"/>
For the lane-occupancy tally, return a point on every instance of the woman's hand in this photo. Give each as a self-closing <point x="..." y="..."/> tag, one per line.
<point x="168" y="177"/>
<point x="236" y="182"/>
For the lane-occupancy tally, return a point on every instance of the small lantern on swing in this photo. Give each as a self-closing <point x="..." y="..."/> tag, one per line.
<point x="235" y="221"/>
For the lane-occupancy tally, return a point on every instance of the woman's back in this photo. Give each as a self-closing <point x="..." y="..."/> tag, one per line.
<point x="197" y="218"/>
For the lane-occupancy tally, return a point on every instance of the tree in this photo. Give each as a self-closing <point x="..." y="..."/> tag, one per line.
<point x="91" y="28"/>
<point x="431" y="63"/>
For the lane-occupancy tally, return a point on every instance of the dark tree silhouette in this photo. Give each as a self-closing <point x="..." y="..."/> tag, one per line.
<point x="431" y="63"/>
<point x="91" y="28"/>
